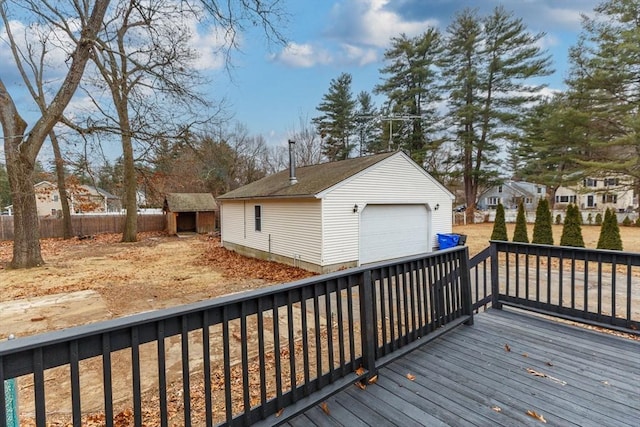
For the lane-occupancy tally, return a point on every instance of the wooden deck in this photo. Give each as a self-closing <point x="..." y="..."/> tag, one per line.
<point x="495" y="372"/>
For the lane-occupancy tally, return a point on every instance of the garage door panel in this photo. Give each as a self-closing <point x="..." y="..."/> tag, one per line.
<point x="393" y="231"/>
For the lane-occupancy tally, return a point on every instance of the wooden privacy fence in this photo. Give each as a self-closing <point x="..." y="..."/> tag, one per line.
<point x="84" y="225"/>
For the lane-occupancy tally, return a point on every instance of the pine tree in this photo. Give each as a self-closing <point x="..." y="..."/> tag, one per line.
<point x="520" y="234"/>
<point x="572" y="230"/>
<point x="499" y="225"/>
<point x="542" y="231"/>
<point x="337" y="122"/>
<point x="411" y="86"/>
<point x="610" y="232"/>
<point x="487" y="69"/>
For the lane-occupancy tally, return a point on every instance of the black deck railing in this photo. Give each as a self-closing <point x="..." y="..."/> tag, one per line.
<point x="596" y="287"/>
<point x="257" y="357"/>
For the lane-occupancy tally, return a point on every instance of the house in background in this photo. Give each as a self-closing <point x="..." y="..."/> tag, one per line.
<point x="190" y="212"/>
<point x="599" y="193"/>
<point x="82" y="199"/>
<point x="336" y="215"/>
<point x="511" y="193"/>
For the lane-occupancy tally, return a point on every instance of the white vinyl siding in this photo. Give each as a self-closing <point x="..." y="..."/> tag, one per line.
<point x="291" y="228"/>
<point x="393" y="181"/>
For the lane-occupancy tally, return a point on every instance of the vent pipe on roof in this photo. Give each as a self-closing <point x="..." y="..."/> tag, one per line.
<point x="292" y="163"/>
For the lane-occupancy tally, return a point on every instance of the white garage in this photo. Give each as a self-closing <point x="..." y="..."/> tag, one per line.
<point x="394" y="231"/>
<point x="337" y="215"/>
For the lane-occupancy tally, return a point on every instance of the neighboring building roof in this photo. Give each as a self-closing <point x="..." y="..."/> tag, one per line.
<point x="311" y="179"/>
<point x="190" y="202"/>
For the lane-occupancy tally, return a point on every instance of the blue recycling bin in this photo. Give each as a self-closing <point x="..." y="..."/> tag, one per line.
<point x="448" y="240"/>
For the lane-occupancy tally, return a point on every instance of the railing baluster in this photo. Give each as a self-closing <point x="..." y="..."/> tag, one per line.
<point x="38" y="387"/>
<point x="107" y="380"/>
<point x="350" y="314"/>
<point x="244" y="354"/>
<point x="318" y="330"/>
<point x="404" y="286"/>
<point x="186" y="372"/>
<point x="74" y="359"/>
<point x="226" y="356"/>
<point x="162" y="374"/>
<point x="305" y="341"/>
<point x="135" y="368"/>
<point x="276" y="350"/>
<point x="341" y="343"/>
<point x="629" y="286"/>
<point x="206" y="367"/>
<point x="329" y="320"/>
<point x="262" y="357"/>
<point x="614" y="268"/>
<point x="292" y="345"/>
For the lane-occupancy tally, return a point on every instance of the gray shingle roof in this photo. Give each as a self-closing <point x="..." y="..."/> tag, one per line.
<point x="190" y="202"/>
<point x="311" y="179"/>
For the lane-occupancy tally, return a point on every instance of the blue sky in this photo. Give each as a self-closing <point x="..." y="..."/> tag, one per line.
<point x="272" y="87"/>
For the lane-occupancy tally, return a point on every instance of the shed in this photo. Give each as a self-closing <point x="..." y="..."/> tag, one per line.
<point x="190" y="212"/>
<point x="340" y="214"/>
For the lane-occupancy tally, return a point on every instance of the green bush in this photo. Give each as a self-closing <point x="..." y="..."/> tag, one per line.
<point x="520" y="234"/>
<point x="542" y="232"/>
<point x="627" y="221"/>
<point x="610" y="232"/>
<point x="598" y="218"/>
<point x="499" y="225"/>
<point x="572" y="230"/>
<point x="638" y="222"/>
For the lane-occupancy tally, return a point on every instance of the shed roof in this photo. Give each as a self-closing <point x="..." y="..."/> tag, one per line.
<point x="311" y="179"/>
<point x="190" y="202"/>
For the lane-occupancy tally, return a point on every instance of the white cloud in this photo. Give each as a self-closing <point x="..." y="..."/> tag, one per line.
<point x="370" y="23"/>
<point x="303" y="55"/>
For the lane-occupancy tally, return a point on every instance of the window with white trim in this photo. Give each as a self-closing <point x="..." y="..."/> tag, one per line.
<point x="258" y="217"/>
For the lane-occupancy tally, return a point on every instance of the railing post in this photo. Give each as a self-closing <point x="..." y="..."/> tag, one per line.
<point x="495" y="278"/>
<point x="368" y="328"/>
<point x="465" y="285"/>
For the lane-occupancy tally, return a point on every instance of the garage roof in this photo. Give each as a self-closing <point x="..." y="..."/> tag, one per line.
<point x="311" y="179"/>
<point x="190" y="202"/>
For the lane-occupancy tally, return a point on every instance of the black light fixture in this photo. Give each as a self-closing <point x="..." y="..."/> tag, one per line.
<point x="355" y="208"/>
<point x="437" y="206"/>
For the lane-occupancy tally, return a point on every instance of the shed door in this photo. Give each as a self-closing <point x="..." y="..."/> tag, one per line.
<point x="393" y="231"/>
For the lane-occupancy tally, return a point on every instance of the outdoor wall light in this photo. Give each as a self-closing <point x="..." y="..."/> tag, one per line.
<point x="355" y="208"/>
<point x="437" y="206"/>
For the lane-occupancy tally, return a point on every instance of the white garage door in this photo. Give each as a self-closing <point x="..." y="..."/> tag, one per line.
<point x="393" y="231"/>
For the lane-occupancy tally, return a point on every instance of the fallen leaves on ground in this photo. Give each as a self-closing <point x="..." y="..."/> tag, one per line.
<point x="373" y="379"/>
<point x="534" y="414"/>
<point x="507" y="348"/>
<point x="325" y="408"/>
<point x="543" y="375"/>
<point x="235" y="266"/>
<point x="496" y="408"/>
<point x="411" y="377"/>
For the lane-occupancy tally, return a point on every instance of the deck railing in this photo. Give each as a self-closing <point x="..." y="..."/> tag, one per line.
<point x="256" y="357"/>
<point x="596" y="287"/>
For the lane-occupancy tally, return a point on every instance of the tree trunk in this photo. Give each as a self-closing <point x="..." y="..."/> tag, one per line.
<point x="67" y="226"/>
<point x="26" y="243"/>
<point x="26" y="230"/>
<point x="129" y="234"/>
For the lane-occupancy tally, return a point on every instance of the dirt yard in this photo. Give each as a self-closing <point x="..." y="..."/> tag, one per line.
<point x="95" y="279"/>
<point x="478" y="235"/>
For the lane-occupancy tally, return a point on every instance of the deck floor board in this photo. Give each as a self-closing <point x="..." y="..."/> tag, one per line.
<point x="468" y="378"/>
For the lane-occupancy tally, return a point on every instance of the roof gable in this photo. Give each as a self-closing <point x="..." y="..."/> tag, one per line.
<point x="311" y="179"/>
<point x="190" y="202"/>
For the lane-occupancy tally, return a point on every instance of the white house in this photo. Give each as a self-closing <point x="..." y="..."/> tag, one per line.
<point x="82" y="198"/>
<point x="599" y="193"/>
<point x="340" y="214"/>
